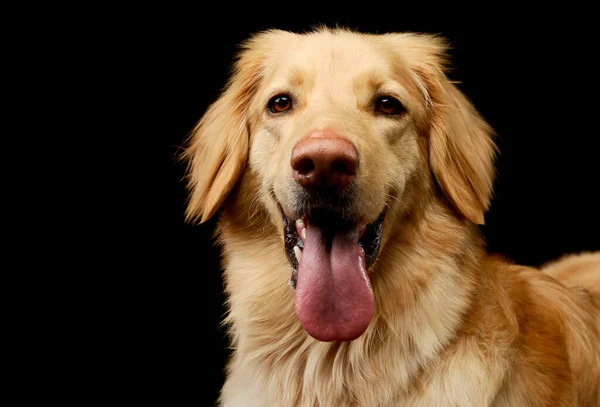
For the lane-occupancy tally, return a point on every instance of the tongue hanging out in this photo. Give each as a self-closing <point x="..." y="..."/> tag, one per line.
<point x="334" y="298"/>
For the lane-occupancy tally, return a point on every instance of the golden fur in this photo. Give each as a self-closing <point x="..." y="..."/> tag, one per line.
<point x="453" y="326"/>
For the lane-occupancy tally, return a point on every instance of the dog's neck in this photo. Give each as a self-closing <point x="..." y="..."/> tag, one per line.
<point x="434" y="255"/>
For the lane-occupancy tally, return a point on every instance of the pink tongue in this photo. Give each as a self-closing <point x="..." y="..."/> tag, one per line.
<point x="334" y="298"/>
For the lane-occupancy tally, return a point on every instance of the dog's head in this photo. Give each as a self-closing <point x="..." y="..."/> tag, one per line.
<point x="339" y="130"/>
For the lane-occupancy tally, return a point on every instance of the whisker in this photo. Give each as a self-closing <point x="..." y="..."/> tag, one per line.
<point x="393" y="197"/>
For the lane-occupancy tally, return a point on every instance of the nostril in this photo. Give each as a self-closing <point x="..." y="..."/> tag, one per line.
<point x="304" y="166"/>
<point x="344" y="166"/>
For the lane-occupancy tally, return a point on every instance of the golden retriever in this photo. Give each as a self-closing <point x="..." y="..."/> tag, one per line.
<point x="352" y="175"/>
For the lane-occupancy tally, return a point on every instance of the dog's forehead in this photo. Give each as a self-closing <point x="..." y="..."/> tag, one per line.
<point x="326" y="55"/>
<point x="345" y="66"/>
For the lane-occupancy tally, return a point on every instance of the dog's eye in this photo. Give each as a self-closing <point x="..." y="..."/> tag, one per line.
<point x="388" y="105"/>
<point x="280" y="104"/>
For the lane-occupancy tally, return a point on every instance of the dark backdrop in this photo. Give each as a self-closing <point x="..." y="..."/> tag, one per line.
<point x="530" y="73"/>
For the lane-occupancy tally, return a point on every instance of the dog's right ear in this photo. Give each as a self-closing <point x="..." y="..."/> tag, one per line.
<point x="217" y="149"/>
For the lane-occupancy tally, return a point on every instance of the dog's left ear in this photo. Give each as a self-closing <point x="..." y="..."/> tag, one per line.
<point x="461" y="152"/>
<point x="461" y="145"/>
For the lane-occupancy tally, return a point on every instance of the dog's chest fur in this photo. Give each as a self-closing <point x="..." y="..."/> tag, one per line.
<point x="409" y="356"/>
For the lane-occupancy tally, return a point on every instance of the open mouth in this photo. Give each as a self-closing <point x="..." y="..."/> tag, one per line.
<point x="330" y="258"/>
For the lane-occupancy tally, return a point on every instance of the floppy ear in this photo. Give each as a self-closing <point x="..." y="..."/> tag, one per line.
<point x="461" y="146"/>
<point x="217" y="148"/>
<point x="461" y="152"/>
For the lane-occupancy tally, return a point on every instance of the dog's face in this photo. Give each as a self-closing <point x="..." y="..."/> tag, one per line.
<point x="332" y="126"/>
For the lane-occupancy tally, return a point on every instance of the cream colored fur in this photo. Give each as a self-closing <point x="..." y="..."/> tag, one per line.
<point x="453" y="326"/>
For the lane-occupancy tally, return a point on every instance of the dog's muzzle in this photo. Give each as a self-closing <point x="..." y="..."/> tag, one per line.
<point x="330" y="252"/>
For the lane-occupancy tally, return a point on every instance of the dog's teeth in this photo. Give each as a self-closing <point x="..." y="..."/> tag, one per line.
<point x="301" y="228"/>
<point x="298" y="254"/>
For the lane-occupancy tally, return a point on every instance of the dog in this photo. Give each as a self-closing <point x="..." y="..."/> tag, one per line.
<point x="350" y="176"/>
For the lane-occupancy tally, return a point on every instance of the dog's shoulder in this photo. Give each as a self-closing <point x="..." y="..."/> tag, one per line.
<point x="554" y="331"/>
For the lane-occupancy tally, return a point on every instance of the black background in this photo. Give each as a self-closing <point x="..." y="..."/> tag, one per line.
<point x="531" y="73"/>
